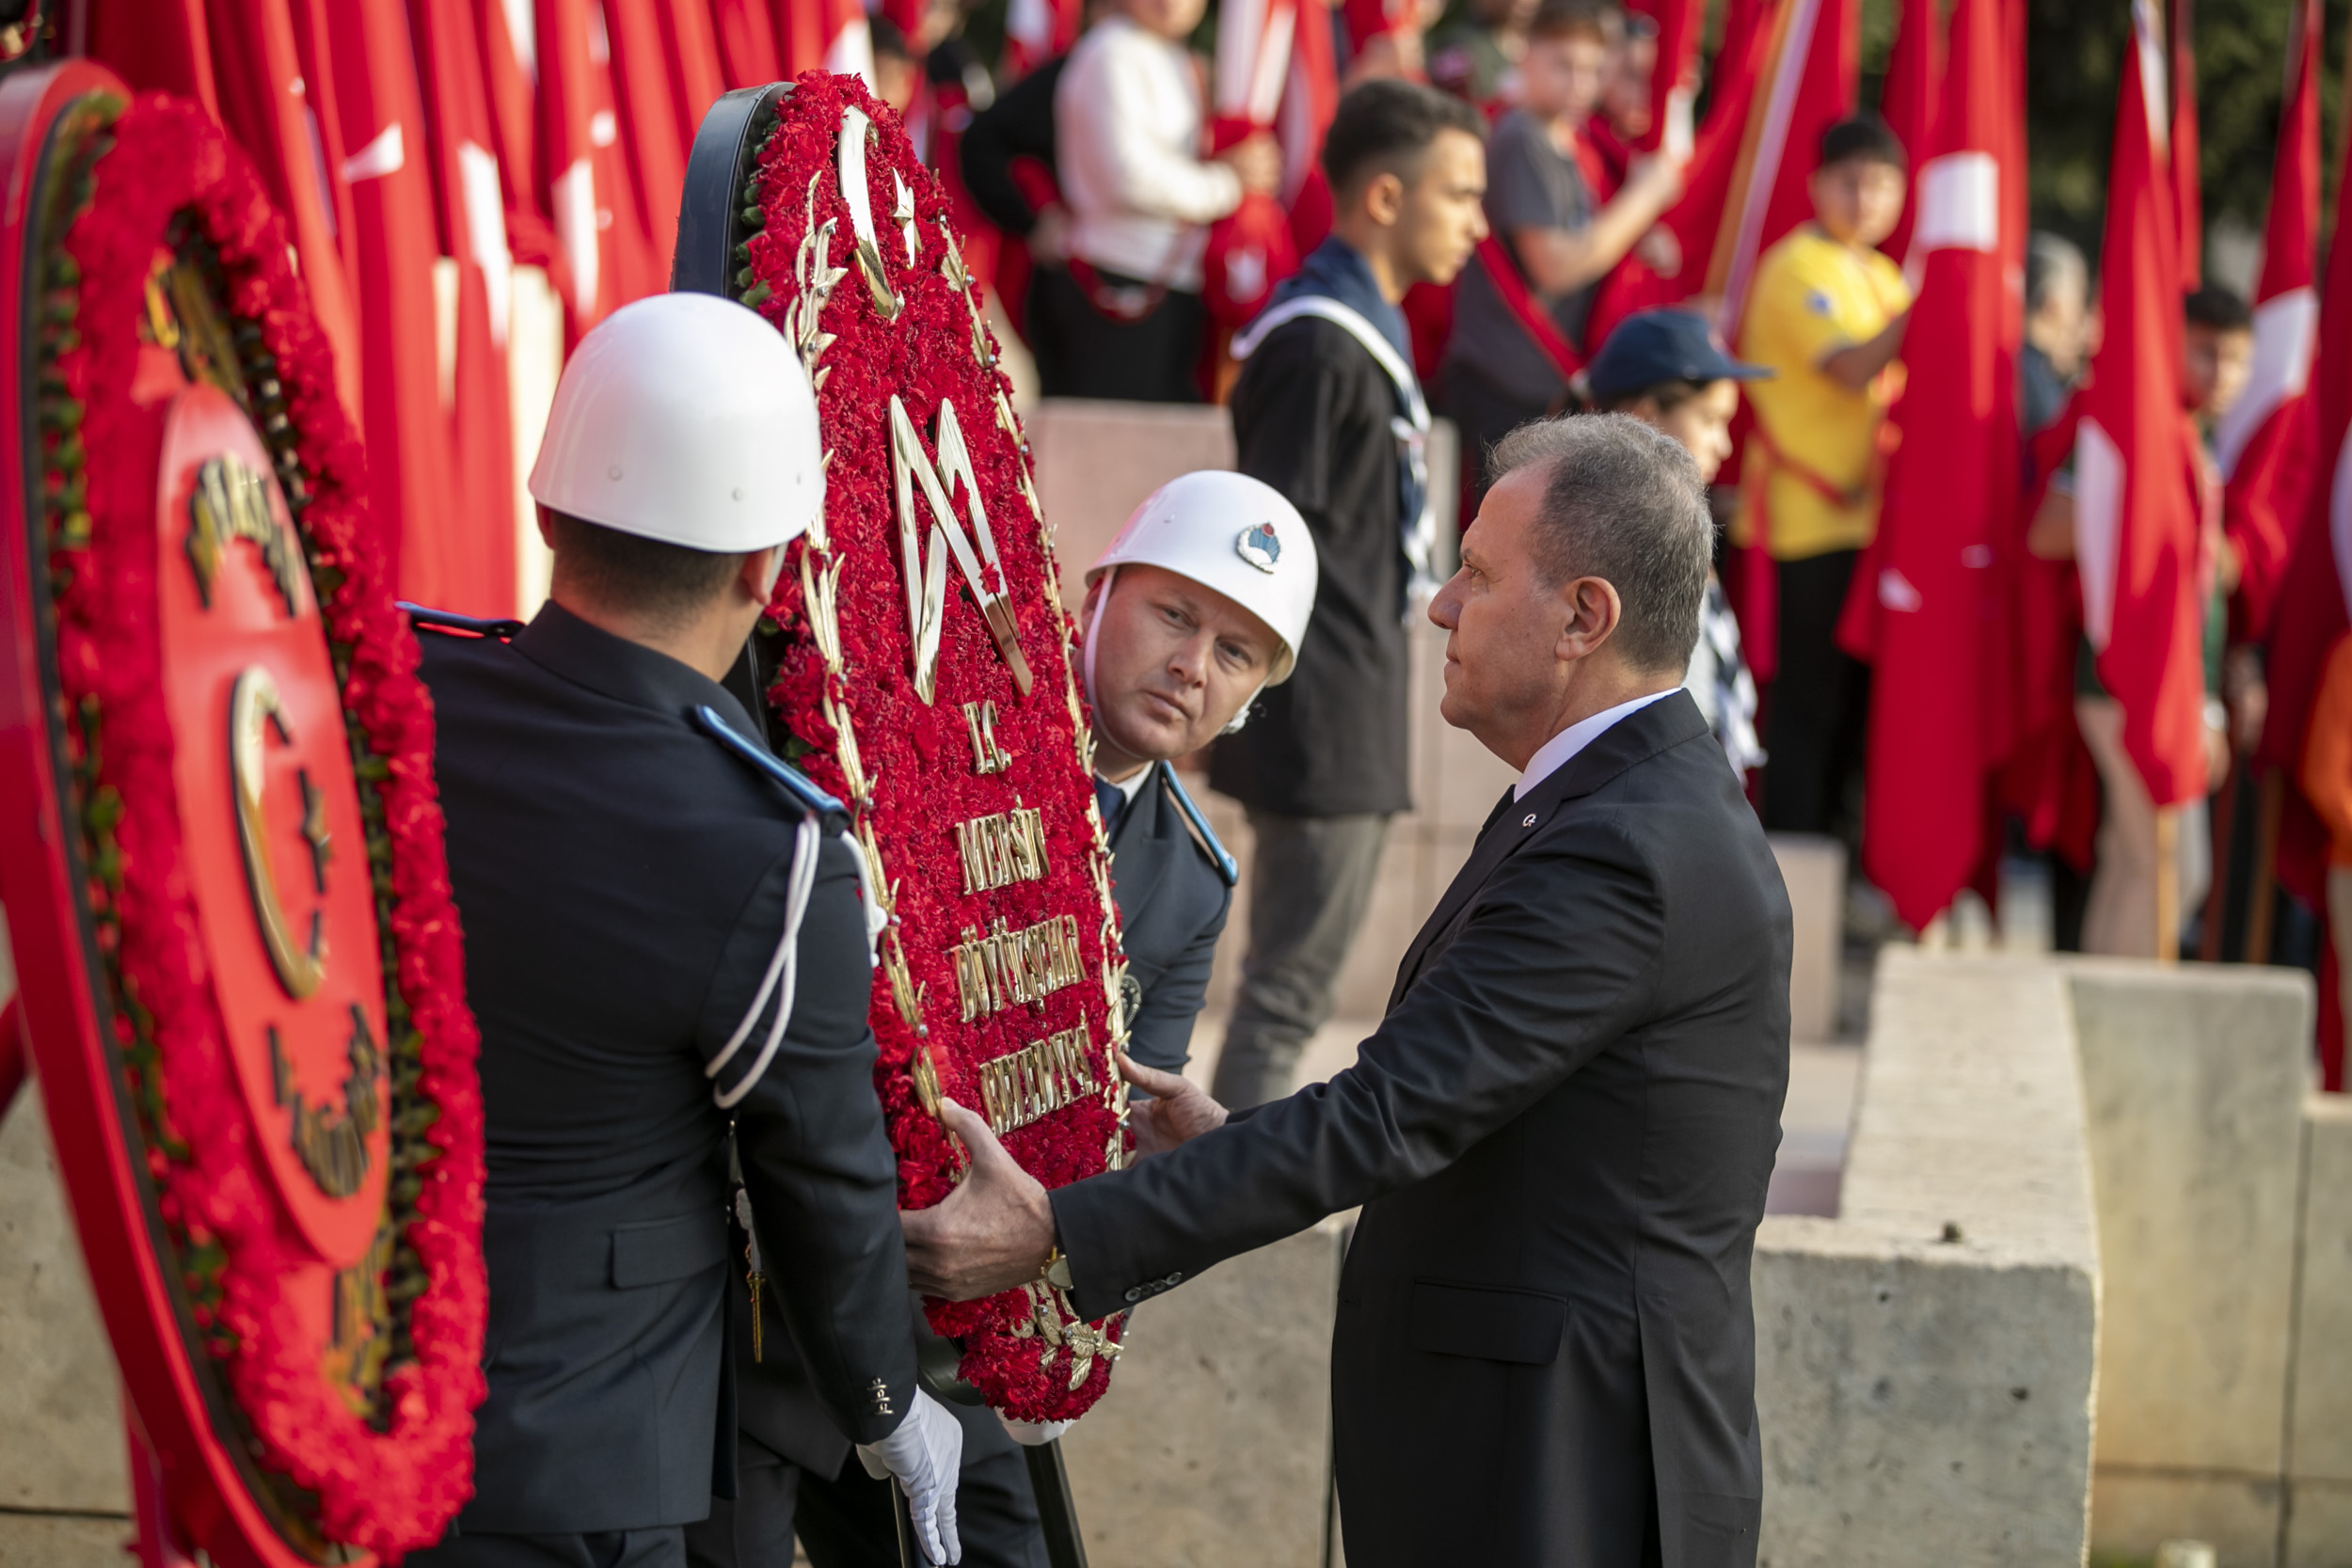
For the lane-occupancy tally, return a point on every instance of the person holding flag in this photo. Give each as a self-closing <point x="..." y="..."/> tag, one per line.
<point x="1827" y="313"/>
<point x="1519" y="316"/>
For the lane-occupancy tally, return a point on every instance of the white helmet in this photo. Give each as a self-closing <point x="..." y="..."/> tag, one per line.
<point x="687" y="419"/>
<point x="1229" y="532"/>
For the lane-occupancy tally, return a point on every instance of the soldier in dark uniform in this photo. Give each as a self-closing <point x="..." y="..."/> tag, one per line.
<point x="1200" y="604"/>
<point x="664" y="943"/>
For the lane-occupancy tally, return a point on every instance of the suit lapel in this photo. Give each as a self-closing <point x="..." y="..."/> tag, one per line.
<point x="1139" y="861"/>
<point x="1633" y="739"/>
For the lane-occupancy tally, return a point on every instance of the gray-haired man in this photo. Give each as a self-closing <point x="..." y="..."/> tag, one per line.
<point x="1562" y="1132"/>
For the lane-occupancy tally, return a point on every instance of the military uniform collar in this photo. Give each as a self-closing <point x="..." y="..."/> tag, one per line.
<point x="562" y="643"/>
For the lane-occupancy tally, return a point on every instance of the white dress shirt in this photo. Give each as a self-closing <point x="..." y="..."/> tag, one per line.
<point x="1127" y="138"/>
<point x="1554" y="754"/>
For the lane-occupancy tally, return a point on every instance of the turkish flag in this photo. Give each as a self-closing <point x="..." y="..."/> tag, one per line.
<point x="1909" y="102"/>
<point x="584" y="175"/>
<point x="1674" y="80"/>
<point x="655" y="134"/>
<point x="285" y="122"/>
<point x="747" y="43"/>
<point x="1036" y="30"/>
<point x="1933" y="595"/>
<point x="394" y="236"/>
<point x="2265" y="446"/>
<point x="2136" y="502"/>
<point x="481" y="542"/>
<point x="2310" y="613"/>
<point x="689" y="46"/>
<point x="157" y="46"/>
<point x="824" y="35"/>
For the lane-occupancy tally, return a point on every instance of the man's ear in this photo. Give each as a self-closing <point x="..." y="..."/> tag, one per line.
<point x="761" y="568"/>
<point x="1384" y="199"/>
<point x="1594" y="610"/>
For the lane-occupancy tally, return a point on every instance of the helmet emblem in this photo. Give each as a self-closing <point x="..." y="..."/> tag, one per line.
<point x="1261" y="547"/>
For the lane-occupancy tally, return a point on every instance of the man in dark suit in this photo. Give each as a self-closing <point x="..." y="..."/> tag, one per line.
<point x="663" y="942"/>
<point x="1563" y="1130"/>
<point x="1200" y="604"/>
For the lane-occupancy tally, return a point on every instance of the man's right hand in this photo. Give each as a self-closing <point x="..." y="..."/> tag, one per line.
<point x="1178" y="1112"/>
<point x="924" y="1455"/>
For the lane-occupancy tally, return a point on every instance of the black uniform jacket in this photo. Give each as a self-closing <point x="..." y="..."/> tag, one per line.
<point x="622" y="881"/>
<point x="1172" y="900"/>
<point x="1561" y="1134"/>
<point x="1311" y="416"/>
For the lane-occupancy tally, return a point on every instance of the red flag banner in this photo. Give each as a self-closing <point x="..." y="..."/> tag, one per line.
<point x="1909" y="104"/>
<point x="2188" y="198"/>
<point x="2137" y="543"/>
<point x="2264" y="446"/>
<point x="1933" y="597"/>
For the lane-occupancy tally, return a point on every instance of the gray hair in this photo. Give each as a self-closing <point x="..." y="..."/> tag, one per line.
<point x="1623" y="501"/>
<point x="2049" y="258"/>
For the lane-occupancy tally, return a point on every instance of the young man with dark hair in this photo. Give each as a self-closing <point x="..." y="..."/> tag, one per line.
<point x="1519" y="317"/>
<point x="1826" y="314"/>
<point x="1327" y="411"/>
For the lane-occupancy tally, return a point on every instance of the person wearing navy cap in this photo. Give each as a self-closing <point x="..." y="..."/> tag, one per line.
<point x="1666" y="369"/>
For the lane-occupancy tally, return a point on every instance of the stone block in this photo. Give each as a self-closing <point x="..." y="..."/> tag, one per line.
<point x="1212" y="1447"/>
<point x="2135" y="1510"/>
<point x="64" y="1540"/>
<point x="1925" y="1360"/>
<point x="1918" y="1403"/>
<point x="2321" y="1438"/>
<point x="2193" y="1080"/>
<point x="1813" y="868"/>
<point x="61" y="1445"/>
<point x="2319" y="1525"/>
<point x="1097" y="460"/>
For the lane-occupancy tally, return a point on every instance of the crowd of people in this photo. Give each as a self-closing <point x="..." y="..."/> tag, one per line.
<point x="1093" y="169"/>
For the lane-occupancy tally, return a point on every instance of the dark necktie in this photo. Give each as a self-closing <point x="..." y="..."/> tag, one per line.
<point x="1113" y="803"/>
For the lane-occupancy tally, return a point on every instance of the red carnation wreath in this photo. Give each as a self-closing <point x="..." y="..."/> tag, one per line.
<point x="127" y="184"/>
<point x="968" y="772"/>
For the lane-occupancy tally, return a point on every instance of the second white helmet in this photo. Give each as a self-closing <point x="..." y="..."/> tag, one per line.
<point x="684" y="418"/>
<point x="1235" y="534"/>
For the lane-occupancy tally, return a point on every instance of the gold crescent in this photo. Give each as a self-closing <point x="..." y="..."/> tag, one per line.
<point x="253" y="704"/>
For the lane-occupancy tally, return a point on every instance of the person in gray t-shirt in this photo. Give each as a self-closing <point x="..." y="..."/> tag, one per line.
<point x="1560" y="228"/>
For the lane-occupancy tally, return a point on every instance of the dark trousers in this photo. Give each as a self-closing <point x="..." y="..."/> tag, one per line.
<point x="634" y="1549"/>
<point x="1821" y="701"/>
<point x="847" y="1522"/>
<point x="1309" y="881"/>
<point x="1082" y="353"/>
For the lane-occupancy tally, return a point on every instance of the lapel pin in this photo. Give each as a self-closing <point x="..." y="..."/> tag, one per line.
<point x="1528" y="821"/>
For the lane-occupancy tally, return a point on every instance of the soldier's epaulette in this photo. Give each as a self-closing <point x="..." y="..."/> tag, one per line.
<point x="449" y="622"/>
<point x="1219" y="857"/>
<point x="801" y="787"/>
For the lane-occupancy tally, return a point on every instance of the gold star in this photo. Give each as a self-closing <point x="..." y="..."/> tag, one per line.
<point x="314" y="831"/>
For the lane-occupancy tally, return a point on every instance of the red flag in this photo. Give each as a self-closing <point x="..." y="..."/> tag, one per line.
<point x="1674" y="81"/>
<point x="1250" y="248"/>
<point x="655" y="135"/>
<point x="2264" y="446"/>
<point x="690" y="43"/>
<point x="1909" y="102"/>
<point x="589" y="193"/>
<point x="824" y="35"/>
<point x="2135" y="504"/>
<point x="480" y="543"/>
<point x="285" y="122"/>
<point x="2310" y="608"/>
<point x="747" y="43"/>
<point x="1952" y="486"/>
<point x="157" y="46"/>
<point x="2189" y="201"/>
<point x="395" y="234"/>
<point x="1036" y="30"/>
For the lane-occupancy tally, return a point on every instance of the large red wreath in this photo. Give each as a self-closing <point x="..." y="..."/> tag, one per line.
<point x="391" y="1483"/>
<point x="877" y="324"/>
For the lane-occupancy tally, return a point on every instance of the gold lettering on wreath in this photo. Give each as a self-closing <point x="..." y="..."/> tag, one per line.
<point x="999" y="850"/>
<point x="332" y="1141"/>
<point x="255" y="711"/>
<point x="979" y="719"/>
<point x="230" y="501"/>
<point x="1006" y="968"/>
<point x="1038" y="1080"/>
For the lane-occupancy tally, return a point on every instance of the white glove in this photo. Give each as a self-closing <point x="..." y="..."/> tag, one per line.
<point x="1032" y="1435"/>
<point x="924" y="1454"/>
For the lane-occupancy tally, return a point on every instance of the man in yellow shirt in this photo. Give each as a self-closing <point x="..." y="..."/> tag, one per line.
<point x="1827" y="313"/>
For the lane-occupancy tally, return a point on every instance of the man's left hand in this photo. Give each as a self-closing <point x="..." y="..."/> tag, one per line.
<point x="995" y="1232"/>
